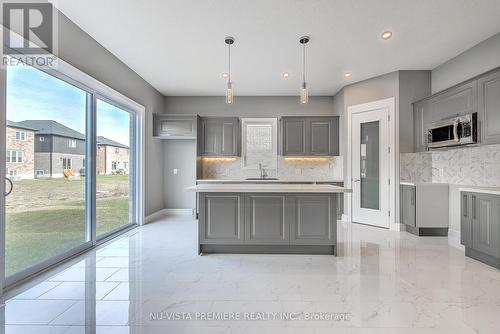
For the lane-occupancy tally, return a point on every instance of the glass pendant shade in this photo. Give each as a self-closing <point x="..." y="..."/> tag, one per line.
<point x="304" y="94"/>
<point x="229" y="93"/>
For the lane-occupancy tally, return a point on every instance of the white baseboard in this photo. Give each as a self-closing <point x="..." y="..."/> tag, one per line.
<point x="165" y="212"/>
<point x="454" y="239"/>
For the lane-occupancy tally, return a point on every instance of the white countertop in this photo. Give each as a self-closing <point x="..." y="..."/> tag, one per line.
<point x="206" y="181"/>
<point x="267" y="188"/>
<point x="423" y="184"/>
<point x="483" y="190"/>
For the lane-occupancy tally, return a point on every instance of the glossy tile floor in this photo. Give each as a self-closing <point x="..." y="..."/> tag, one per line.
<point x="381" y="282"/>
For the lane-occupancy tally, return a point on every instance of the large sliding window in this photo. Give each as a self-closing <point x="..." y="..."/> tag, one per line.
<point x="71" y="163"/>
<point x="114" y="180"/>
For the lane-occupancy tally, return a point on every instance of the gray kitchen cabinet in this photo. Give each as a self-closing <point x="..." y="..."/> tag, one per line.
<point x="424" y="208"/>
<point x="294" y="131"/>
<point x="489" y="107"/>
<point x="266" y="219"/>
<point x="313" y="220"/>
<point x="480" y="227"/>
<point x="408" y="214"/>
<point x="310" y="136"/>
<point x="167" y="126"/>
<point x="219" y="136"/>
<point x="455" y="101"/>
<point x="486" y="224"/>
<point x="466" y="219"/>
<point x="223" y="218"/>
<point x="420" y="120"/>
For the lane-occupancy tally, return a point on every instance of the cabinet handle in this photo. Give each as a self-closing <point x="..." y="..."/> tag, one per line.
<point x="465" y="205"/>
<point x="412" y="200"/>
<point x="473" y="207"/>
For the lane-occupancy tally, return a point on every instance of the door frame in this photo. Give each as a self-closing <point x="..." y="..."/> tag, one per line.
<point x="390" y="105"/>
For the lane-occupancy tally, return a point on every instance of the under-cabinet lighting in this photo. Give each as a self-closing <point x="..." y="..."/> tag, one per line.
<point x="307" y="159"/>
<point x="218" y="159"/>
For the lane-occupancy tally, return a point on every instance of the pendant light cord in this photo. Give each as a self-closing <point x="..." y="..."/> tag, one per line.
<point x="303" y="62"/>
<point x="229" y="71"/>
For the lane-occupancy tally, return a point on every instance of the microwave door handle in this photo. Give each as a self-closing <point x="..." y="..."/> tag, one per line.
<point x="455" y="131"/>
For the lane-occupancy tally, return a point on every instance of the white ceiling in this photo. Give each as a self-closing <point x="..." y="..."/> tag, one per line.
<point x="178" y="45"/>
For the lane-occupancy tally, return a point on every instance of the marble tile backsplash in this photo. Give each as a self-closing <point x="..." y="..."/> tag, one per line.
<point x="329" y="168"/>
<point x="478" y="166"/>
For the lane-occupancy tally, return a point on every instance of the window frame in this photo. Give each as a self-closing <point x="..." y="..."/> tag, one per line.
<point x="268" y="120"/>
<point x="94" y="89"/>
<point x="22" y="135"/>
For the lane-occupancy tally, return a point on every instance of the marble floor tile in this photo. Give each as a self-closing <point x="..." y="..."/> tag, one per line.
<point x="152" y="280"/>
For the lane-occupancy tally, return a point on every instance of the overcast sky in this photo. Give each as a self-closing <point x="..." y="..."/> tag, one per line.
<point x="33" y="94"/>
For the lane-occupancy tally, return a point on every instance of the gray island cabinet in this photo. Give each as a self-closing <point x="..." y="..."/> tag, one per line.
<point x="268" y="218"/>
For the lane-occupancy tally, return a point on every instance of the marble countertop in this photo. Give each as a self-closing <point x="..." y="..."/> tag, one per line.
<point x="207" y="181"/>
<point x="483" y="190"/>
<point x="267" y="188"/>
<point x="424" y="184"/>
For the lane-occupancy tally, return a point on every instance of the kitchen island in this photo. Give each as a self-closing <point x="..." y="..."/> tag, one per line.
<point x="268" y="218"/>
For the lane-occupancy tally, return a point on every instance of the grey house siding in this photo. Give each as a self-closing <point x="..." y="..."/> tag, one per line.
<point x="61" y="145"/>
<point x="43" y="146"/>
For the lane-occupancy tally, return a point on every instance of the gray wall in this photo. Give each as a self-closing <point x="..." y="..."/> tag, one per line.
<point x="373" y="89"/>
<point x="182" y="154"/>
<point x="78" y="49"/>
<point x="413" y="86"/>
<point x="249" y="106"/>
<point x="476" y="60"/>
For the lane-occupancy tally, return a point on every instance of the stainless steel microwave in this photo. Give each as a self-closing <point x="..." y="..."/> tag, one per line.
<point x="456" y="131"/>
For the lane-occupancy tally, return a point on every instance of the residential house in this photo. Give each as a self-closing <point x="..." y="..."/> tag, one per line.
<point x="112" y="157"/>
<point x="20" y="158"/>
<point x="57" y="148"/>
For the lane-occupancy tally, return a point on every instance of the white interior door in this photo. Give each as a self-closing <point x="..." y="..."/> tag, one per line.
<point x="370" y="167"/>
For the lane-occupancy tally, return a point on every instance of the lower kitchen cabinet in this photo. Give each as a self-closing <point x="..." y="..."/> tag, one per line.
<point x="480" y="227"/>
<point x="268" y="222"/>
<point x="266" y="219"/>
<point x="424" y="208"/>
<point x="313" y="220"/>
<point x="223" y="218"/>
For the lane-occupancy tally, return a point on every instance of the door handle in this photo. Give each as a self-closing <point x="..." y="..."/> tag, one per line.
<point x="356" y="180"/>
<point x="7" y="193"/>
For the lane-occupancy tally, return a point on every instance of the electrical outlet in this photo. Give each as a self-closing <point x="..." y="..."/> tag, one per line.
<point x="298" y="171"/>
<point x="441" y="172"/>
<point x="176" y="171"/>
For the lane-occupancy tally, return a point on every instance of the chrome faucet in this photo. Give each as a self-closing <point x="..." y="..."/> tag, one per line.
<point x="263" y="173"/>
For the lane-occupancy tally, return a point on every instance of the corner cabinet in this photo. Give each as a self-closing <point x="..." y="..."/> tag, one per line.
<point x="420" y="120"/>
<point x="167" y="126"/>
<point x="219" y="136"/>
<point x="310" y="136"/>
<point x="480" y="227"/>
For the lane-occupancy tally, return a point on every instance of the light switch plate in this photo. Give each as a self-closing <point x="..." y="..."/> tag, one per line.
<point x="298" y="171"/>
<point x="176" y="171"/>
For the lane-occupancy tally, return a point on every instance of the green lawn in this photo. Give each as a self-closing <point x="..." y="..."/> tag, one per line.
<point x="47" y="217"/>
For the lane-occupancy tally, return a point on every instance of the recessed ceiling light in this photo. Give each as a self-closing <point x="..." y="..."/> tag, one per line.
<point x="386" y="34"/>
<point x="347" y="74"/>
<point x="286" y="75"/>
<point x="225" y="75"/>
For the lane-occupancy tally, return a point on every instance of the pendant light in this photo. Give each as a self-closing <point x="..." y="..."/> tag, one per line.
<point x="229" y="90"/>
<point x="304" y="94"/>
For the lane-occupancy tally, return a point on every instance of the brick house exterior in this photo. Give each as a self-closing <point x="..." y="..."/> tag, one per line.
<point x="57" y="148"/>
<point x="20" y="150"/>
<point x="112" y="157"/>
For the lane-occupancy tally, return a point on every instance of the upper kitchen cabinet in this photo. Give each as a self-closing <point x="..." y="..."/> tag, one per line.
<point x="489" y="107"/>
<point x="175" y="126"/>
<point x="421" y="119"/>
<point x="219" y="136"/>
<point x="457" y="101"/>
<point x="310" y="136"/>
